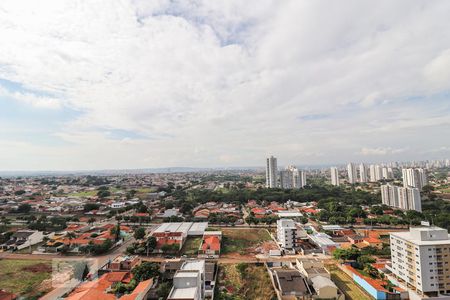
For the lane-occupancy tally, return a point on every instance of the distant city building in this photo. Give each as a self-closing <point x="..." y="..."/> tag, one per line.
<point x="292" y="178"/>
<point x="334" y="176"/>
<point x="286" y="179"/>
<point x="351" y="172"/>
<point x="406" y="198"/>
<point x="362" y="173"/>
<point x="421" y="259"/>
<point x="414" y="178"/>
<point x="271" y="172"/>
<point x="375" y="173"/>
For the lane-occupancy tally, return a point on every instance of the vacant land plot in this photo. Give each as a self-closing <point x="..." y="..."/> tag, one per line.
<point x="243" y="241"/>
<point x="24" y="277"/>
<point x="190" y="247"/>
<point x="346" y="284"/>
<point x="84" y="194"/>
<point x="244" y="281"/>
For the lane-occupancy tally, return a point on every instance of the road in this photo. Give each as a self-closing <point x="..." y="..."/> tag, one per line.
<point x="244" y="259"/>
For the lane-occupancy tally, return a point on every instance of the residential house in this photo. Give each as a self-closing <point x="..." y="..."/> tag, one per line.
<point x="22" y="239"/>
<point x="210" y="247"/>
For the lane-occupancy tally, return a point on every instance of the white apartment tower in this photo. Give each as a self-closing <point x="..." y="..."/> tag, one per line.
<point x="400" y="197"/>
<point x="375" y="173"/>
<point x="362" y="173"/>
<point x="389" y="195"/>
<point x="271" y="172"/>
<point x="334" y="176"/>
<point x="286" y="234"/>
<point x="414" y="178"/>
<point x="351" y="171"/>
<point x="421" y="258"/>
<point x="286" y="179"/>
<point x="292" y="178"/>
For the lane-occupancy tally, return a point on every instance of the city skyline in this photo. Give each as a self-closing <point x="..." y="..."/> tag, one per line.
<point x="131" y="84"/>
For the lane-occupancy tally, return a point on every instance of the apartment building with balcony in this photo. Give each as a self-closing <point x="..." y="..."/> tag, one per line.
<point x="421" y="260"/>
<point x="287" y="234"/>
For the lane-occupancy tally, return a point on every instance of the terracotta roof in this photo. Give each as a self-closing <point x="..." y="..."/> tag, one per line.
<point x="141" y="214"/>
<point x="375" y="283"/>
<point x="202" y="213"/>
<point x="140" y="290"/>
<point x="211" y="243"/>
<point x="258" y="210"/>
<point x="93" y="290"/>
<point x="4" y="295"/>
<point x="372" y="240"/>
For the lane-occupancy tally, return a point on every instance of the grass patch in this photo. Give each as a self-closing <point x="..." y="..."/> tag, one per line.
<point x="83" y="194"/>
<point x="346" y="284"/>
<point x="244" y="281"/>
<point x="190" y="247"/>
<point x="241" y="240"/>
<point x="145" y="190"/>
<point x="23" y="277"/>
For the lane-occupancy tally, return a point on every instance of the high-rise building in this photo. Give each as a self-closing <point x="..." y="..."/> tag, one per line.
<point x="372" y="176"/>
<point x="384" y="173"/>
<point x="292" y="178"/>
<point x="378" y="173"/>
<point x="414" y="178"/>
<point x="389" y="195"/>
<point x="421" y="259"/>
<point x="271" y="172"/>
<point x="375" y="173"/>
<point x="334" y="176"/>
<point x="351" y="172"/>
<point x="298" y="178"/>
<point x="406" y="198"/>
<point x="409" y="198"/>
<point x="286" y="179"/>
<point x="362" y="173"/>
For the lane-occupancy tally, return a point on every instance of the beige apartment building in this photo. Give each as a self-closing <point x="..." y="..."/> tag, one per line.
<point x="421" y="259"/>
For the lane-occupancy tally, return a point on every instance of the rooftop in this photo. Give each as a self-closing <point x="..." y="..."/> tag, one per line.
<point x="291" y="281"/>
<point x="424" y="235"/>
<point x="183" y="293"/>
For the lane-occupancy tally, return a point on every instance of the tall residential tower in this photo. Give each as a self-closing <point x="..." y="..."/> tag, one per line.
<point x="271" y="172"/>
<point x="334" y="176"/>
<point x="351" y="171"/>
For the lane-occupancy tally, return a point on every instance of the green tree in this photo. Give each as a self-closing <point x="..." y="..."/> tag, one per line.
<point x="145" y="271"/>
<point x="150" y="244"/>
<point x="24" y="208"/>
<point x="139" y="233"/>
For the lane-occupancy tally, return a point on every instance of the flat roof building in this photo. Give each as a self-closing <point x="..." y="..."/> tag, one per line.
<point x="421" y="259"/>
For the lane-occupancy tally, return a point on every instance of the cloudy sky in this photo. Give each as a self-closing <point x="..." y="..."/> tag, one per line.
<point x="95" y="84"/>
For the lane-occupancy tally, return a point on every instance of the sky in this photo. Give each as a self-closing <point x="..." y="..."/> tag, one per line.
<point x="101" y="84"/>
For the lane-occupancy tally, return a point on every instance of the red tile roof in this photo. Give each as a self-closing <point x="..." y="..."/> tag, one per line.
<point x="96" y="289"/>
<point x="375" y="283"/>
<point x="141" y="289"/>
<point x="211" y="243"/>
<point x="259" y="211"/>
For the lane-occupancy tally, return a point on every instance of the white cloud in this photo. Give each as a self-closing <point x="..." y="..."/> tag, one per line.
<point x="380" y="151"/>
<point x="32" y="99"/>
<point x="199" y="79"/>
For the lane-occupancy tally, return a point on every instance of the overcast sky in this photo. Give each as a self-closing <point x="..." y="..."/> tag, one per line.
<point x="101" y="84"/>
